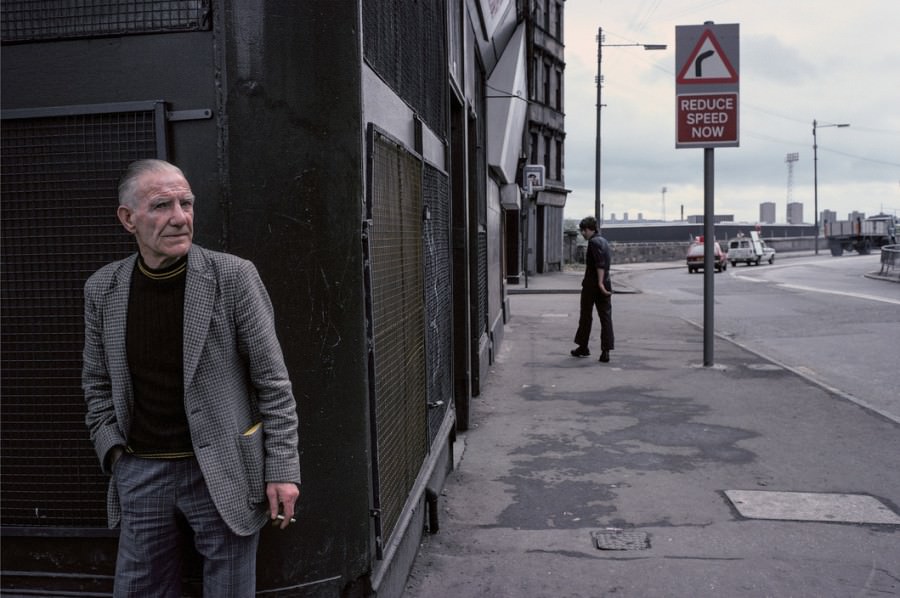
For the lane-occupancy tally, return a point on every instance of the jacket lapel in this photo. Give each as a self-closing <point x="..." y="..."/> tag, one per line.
<point x="114" y="325"/>
<point x="199" y="300"/>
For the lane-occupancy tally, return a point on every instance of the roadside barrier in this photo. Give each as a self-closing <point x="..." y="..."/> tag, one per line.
<point x="890" y="260"/>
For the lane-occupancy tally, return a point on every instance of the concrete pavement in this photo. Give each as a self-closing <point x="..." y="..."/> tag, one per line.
<point x="655" y="476"/>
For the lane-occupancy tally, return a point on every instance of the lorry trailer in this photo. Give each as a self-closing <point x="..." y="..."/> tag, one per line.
<point x="860" y="235"/>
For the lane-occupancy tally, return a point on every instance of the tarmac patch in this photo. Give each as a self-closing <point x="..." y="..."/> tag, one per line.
<point x="811" y="506"/>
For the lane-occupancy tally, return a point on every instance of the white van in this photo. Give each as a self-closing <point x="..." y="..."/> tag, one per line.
<point x="750" y="250"/>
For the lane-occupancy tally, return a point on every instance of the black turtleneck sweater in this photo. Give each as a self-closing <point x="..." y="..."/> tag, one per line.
<point x="154" y="343"/>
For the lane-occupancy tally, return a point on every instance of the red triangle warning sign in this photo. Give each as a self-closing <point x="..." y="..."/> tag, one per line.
<point x="707" y="63"/>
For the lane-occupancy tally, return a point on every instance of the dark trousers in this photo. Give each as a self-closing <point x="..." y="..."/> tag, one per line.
<point x="591" y="298"/>
<point x="154" y="494"/>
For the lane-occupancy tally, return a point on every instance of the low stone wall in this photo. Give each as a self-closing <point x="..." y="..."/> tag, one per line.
<point x="796" y="243"/>
<point x="631" y="253"/>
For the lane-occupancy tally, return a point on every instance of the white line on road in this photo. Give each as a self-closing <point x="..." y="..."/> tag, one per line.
<point x="799" y="287"/>
<point x="842" y="293"/>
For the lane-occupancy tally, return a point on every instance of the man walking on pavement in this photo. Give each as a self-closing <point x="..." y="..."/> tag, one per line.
<point x="596" y="291"/>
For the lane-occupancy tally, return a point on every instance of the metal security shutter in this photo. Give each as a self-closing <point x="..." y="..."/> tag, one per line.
<point x="34" y="20"/>
<point x="397" y="319"/>
<point x="438" y="297"/>
<point x="58" y="179"/>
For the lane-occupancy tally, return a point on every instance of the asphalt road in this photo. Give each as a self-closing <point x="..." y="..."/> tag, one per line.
<point x="818" y="315"/>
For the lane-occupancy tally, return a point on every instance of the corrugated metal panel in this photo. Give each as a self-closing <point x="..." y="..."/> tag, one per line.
<point x="553" y="245"/>
<point x="58" y="194"/>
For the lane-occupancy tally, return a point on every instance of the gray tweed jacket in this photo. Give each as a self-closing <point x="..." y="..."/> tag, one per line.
<point x="234" y="377"/>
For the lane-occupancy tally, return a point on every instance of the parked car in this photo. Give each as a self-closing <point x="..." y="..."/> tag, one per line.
<point x="750" y="250"/>
<point x="695" y="257"/>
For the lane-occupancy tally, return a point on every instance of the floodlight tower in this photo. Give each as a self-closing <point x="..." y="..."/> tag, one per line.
<point x="789" y="160"/>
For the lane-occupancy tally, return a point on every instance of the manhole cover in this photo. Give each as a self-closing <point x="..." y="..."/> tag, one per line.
<point x="617" y="539"/>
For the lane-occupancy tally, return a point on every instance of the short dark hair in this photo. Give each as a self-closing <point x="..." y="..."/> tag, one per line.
<point x="589" y="223"/>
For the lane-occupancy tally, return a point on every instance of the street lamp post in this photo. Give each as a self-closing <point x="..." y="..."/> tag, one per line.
<point x="664" y="203"/>
<point x="816" y="125"/>
<point x="598" y="211"/>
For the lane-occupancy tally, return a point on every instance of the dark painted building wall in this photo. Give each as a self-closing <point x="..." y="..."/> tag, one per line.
<point x="298" y="141"/>
<point x="276" y="165"/>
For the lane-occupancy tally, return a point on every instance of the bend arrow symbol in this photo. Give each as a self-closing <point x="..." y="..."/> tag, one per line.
<point x="698" y="70"/>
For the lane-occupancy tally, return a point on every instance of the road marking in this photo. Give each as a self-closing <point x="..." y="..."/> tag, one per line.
<point x="841" y="293"/>
<point x="798" y="287"/>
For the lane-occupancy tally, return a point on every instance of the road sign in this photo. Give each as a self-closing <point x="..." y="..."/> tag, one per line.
<point x="533" y="178"/>
<point x="707" y="120"/>
<point x="707" y="64"/>
<point x="707" y="80"/>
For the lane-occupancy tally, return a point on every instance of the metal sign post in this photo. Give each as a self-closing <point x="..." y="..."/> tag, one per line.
<point x="707" y="108"/>
<point x="532" y="182"/>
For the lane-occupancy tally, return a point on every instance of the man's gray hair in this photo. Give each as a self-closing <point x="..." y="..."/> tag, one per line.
<point x="137" y="169"/>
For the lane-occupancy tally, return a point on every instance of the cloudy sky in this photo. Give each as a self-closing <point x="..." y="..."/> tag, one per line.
<point x="829" y="60"/>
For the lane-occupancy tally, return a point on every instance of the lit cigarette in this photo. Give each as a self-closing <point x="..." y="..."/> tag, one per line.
<point x="280" y="517"/>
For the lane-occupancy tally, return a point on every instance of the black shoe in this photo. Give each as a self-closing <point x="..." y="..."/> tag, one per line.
<point x="604" y="356"/>
<point x="581" y="352"/>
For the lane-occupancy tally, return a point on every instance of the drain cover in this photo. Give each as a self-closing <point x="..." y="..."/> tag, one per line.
<point x="617" y="539"/>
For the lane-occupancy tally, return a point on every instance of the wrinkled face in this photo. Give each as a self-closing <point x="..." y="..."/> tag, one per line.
<point x="162" y="217"/>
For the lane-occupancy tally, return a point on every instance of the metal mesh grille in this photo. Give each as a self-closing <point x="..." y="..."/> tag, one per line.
<point x="58" y="193"/>
<point x="483" y="324"/>
<point x="438" y="295"/>
<point x="32" y="20"/>
<point x="404" y="43"/>
<point x="398" y="325"/>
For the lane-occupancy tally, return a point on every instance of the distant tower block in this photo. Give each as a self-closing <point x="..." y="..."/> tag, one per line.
<point x="789" y="160"/>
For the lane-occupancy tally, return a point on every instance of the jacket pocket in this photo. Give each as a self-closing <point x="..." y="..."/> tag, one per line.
<point x="252" y="450"/>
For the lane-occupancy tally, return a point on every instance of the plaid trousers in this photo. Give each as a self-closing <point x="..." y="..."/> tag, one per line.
<point x="155" y="494"/>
